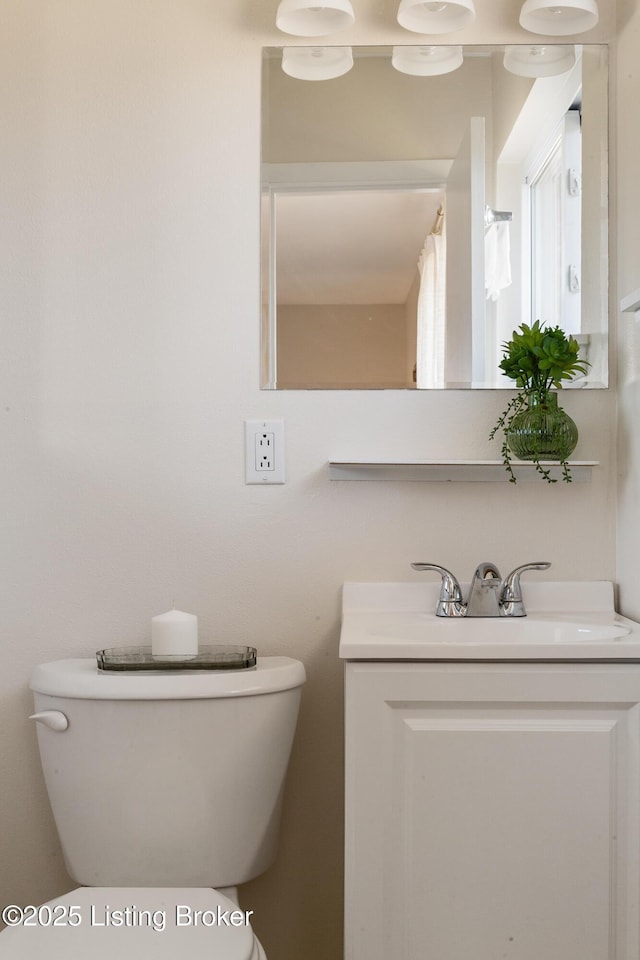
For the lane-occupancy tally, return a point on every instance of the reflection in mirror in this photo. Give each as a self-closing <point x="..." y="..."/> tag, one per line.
<point x="411" y="223"/>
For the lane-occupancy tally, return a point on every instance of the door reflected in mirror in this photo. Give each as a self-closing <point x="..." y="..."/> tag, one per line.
<point x="411" y="223"/>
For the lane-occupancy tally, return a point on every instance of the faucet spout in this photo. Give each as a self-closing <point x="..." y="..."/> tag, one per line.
<point x="485" y="570"/>
<point x="485" y="591"/>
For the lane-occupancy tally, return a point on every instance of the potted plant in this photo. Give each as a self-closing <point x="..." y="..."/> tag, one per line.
<point x="534" y="427"/>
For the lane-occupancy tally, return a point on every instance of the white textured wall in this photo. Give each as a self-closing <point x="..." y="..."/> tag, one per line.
<point x="628" y="280"/>
<point x="129" y="292"/>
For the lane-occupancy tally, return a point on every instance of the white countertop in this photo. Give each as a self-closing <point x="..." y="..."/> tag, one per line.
<point x="566" y="621"/>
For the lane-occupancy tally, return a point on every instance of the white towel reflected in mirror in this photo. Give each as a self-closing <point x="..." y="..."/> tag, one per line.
<point x="497" y="258"/>
<point x="431" y="311"/>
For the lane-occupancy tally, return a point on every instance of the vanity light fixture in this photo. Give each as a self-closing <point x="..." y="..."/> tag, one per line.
<point x="435" y="16"/>
<point x="316" y="63"/>
<point x="426" y="61"/>
<point x="314" y="18"/>
<point x="539" y="61"/>
<point x="559" y="17"/>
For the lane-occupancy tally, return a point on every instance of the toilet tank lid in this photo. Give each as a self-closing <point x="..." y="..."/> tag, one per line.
<point x="81" y="680"/>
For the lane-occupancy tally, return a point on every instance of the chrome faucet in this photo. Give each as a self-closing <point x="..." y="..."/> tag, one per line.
<point x="489" y="594"/>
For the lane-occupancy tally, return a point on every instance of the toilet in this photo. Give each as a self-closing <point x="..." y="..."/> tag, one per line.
<point x="166" y="789"/>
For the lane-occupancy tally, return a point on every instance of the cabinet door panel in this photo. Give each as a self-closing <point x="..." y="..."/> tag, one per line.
<point x="505" y="828"/>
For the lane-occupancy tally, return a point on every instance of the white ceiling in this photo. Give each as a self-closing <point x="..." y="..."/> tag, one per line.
<point x="351" y="246"/>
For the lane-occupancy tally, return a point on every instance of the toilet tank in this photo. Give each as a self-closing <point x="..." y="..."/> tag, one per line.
<point x="167" y="779"/>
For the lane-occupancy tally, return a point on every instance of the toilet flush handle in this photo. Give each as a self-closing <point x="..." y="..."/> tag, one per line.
<point x="54" y="719"/>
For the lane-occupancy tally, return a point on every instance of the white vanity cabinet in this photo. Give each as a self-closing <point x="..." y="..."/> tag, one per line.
<point x="492" y="810"/>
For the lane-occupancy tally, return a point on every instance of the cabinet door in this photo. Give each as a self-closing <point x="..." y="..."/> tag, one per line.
<point x="492" y="811"/>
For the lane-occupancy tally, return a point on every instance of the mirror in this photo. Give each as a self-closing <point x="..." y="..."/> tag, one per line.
<point x="411" y="223"/>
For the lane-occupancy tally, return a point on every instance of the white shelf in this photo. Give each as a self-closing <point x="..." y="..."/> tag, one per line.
<point x="443" y="471"/>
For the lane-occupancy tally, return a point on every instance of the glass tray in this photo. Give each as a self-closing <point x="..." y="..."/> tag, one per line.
<point x="216" y="657"/>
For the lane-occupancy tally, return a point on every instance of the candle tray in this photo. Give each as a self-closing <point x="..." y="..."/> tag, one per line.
<point x="214" y="657"/>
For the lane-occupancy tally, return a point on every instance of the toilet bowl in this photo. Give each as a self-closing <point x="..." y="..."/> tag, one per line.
<point x="166" y="790"/>
<point x="135" y="923"/>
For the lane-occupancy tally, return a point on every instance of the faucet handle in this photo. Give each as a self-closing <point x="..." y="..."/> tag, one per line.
<point x="511" y="592"/>
<point x="450" y="602"/>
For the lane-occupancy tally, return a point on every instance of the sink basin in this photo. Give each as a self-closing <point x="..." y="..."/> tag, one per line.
<point x="413" y="628"/>
<point x="397" y="622"/>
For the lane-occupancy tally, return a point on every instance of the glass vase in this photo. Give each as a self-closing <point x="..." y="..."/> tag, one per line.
<point x="542" y="430"/>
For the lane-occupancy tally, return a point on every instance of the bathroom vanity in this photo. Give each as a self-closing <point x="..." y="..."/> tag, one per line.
<point x="492" y="777"/>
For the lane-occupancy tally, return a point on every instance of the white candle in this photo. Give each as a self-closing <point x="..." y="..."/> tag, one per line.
<point x="174" y="634"/>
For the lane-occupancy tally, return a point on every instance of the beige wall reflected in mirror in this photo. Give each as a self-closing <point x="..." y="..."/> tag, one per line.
<point x="383" y="265"/>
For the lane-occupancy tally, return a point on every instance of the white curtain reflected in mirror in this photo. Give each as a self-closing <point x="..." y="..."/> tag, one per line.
<point x="431" y="319"/>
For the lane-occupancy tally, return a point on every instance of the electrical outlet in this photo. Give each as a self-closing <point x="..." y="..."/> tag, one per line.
<point x="265" y="444"/>
<point x="264" y="451"/>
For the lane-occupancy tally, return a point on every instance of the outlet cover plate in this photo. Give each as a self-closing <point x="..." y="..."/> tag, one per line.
<point x="264" y="451"/>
